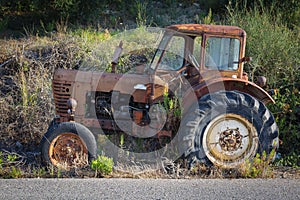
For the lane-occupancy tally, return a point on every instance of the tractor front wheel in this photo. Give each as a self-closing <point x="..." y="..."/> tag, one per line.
<point x="69" y="145"/>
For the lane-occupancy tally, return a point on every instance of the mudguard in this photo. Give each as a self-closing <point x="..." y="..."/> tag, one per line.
<point x="230" y="84"/>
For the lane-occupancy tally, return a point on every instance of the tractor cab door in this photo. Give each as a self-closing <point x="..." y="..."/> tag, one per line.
<point x="170" y="54"/>
<point x="174" y="58"/>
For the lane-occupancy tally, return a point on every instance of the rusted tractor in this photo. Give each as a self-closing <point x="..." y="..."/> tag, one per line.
<point x="223" y="119"/>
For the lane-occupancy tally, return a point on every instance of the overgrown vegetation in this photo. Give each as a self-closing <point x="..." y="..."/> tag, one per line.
<point x="65" y="35"/>
<point x="275" y="50"/>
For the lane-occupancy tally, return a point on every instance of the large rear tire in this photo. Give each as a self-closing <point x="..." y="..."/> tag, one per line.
<point x="68" y="145"/>
<point x="228" y="128"/>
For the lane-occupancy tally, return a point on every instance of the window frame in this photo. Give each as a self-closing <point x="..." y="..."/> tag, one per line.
<point x="230" y="66"/>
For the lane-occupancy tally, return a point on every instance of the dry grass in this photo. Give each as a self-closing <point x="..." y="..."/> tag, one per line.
<point x="27" y="66"/>
<point x="15" y="165"/>
<point x="26" y="70"/>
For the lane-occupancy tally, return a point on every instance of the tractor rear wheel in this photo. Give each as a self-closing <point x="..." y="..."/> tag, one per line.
<point x="228" y="128"/>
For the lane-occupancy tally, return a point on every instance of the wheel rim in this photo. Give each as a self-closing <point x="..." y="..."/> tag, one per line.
<point x="68" y="150"/>
<point x="229" y="139"/>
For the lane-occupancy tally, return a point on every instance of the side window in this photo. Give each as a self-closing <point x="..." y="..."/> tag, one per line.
<point x="222" y="53"/>
<point x="173" y="56"/>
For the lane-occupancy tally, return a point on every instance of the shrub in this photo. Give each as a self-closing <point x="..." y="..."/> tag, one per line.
<point x="275" y="50"/>
<point x="258" y="167"/>
<point x="287" y="112"/>
<point x="291" y="160"/>
<point x="274" y="47"/>
<point x="102" y="165"/>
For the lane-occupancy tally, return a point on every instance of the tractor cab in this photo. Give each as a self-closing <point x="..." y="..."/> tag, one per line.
<point x="201" y="52"/>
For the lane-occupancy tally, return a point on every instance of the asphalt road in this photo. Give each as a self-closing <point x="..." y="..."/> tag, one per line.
<point x="150" y="189"/>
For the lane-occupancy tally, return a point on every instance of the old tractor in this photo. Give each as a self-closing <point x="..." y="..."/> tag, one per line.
<point x="222" y="120"/>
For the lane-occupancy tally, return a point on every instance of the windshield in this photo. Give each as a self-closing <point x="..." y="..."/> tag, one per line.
<point x="222" y="53"/>
<point x="170" y="54"/>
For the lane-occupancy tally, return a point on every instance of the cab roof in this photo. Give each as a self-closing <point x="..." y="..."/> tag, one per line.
<point x="196" y="29"/>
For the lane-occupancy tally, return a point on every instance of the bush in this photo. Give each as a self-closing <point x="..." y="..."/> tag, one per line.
<point x="274" y="47"/>
<point x="258" y="167"/>
<point x="102" y="165"/>
<point x="287" y="112"/>
<point x="275" y="50"/>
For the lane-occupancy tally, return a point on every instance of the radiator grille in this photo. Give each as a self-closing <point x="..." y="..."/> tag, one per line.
<point x="61" y="94"/>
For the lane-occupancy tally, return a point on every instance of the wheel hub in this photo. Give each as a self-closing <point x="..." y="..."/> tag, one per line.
<point x="68" y="150"/>
<point x="230" y="139"/>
